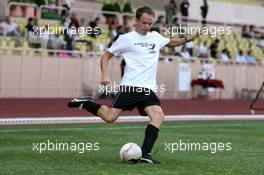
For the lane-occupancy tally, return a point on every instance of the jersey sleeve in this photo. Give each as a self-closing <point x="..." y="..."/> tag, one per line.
<point x="163" y="41"/>
<point x="118" y="47"/>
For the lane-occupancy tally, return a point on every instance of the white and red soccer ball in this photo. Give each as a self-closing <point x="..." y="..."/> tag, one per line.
<point x="130" y="153"/>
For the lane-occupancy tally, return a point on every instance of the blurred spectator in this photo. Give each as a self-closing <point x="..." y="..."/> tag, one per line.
<point x="75" y="21"/>
<point x="189" y="47"/>
<point x="94" y="24"/>
<point x="244" y="32"/>
<point x="176" y="22"/>
<point x="171" y="12"/>
<point x="173" y="51"/>
<point x="69" y="37"/>
<point x="67" y="4"/>
<point x="83" y="22"/>
<point x="10" y="28"/>
<point x="30" y="25"/>
<point x="185" y="54"/>
<point x="159" y="25"/>
<point x="260" y="42"/>
<point x="119" y="30"/>
<point x="225" y="56"/>
<point x="56" y="42"/>
<point x="185" y="11"/>
<point x="240" y="58"/>
<point x="229" y="54"/>
<point x="66" y="20"/>
<point x="36" y="22"/>
<point x="204" y="12"/>
<point x="250" y="58"/>
<point x="203" y="51"/>
<point x="166" y="8"/>
<point x="252" y="32"/>
<point x="91" y="47"/>
<point x="32" y="30"/>
<point x="112" y="31"/>
<point x="214" y="48"/>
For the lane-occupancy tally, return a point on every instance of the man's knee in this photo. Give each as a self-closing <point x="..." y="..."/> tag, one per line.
<point x="156" y="114"/>
<point x="112" y="115"/>
<point x="110" y="119"/>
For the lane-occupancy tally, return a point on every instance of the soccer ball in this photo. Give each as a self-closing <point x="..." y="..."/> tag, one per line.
<point x="130" y="153"/>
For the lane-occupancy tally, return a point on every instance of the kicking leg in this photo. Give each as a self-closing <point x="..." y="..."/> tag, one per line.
<point x="109" y="115"/>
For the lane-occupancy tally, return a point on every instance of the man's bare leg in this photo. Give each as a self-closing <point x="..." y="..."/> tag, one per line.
<point x="109" y="115"/>
<point x="156" y="116"/>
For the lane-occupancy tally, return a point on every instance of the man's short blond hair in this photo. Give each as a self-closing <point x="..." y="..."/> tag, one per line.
<point x="142" y="10"/>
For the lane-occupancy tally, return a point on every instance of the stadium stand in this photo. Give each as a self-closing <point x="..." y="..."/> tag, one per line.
<point x="79" y="45"/>
<point x="233" y="42"/>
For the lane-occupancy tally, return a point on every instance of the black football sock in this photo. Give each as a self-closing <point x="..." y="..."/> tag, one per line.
<point x="151" y="134"/>
<point x="91" y="107"/>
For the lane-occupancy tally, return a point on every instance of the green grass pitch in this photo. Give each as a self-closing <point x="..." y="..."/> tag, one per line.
<point x="246" y="156"/>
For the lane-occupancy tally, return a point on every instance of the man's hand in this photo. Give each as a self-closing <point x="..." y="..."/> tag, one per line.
<point x="189" y="38"/>
<point x="175" y="42"/>
<point x="105" y="81"/>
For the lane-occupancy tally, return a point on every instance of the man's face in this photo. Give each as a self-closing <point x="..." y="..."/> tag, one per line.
<point x="144" y="24"/>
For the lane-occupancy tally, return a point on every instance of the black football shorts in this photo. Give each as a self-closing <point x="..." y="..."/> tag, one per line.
<point x="130" y="97"/>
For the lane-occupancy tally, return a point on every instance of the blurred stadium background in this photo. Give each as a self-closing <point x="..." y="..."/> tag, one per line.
<point x="212" y="78"/>
<point x="61" y="64"/>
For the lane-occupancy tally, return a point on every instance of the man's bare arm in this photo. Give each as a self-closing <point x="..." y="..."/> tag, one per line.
<point x="174" y="42"/>
<point x="104" y="68"/>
